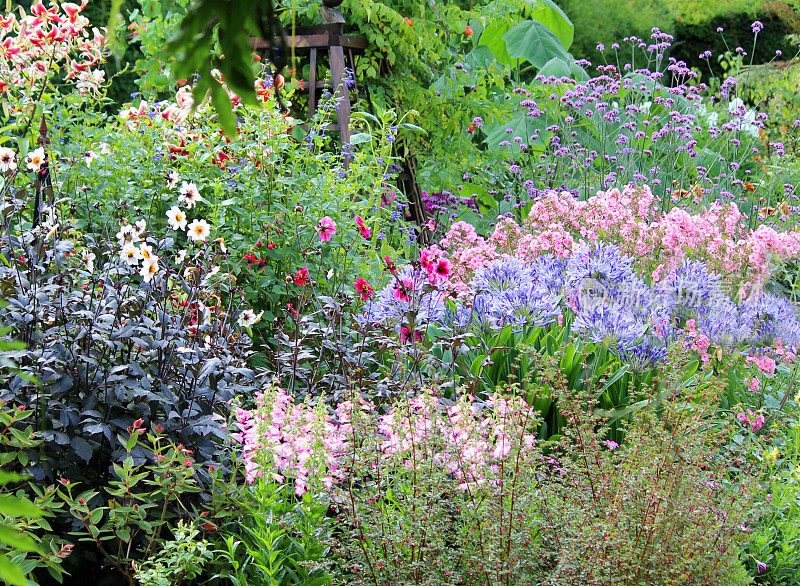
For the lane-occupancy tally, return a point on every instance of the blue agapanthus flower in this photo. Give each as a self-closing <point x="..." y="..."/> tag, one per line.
<point x="602" y="263"/>
<point x="693" y="289"/>
<point x="500" y="275"/>
<point x="527" y="305"/>
<point x="548" y="272"/>
<point x="726" y="323"/>
<point x="642" y="355"/>
<point x="509" y="292"/>
<point x="608" y="324"/>
<point x="774" y="318"/>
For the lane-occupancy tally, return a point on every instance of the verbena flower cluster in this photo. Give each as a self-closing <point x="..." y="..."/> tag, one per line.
<point x="649" y="122"/>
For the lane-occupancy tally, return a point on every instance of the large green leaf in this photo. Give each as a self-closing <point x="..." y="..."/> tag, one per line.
<point x="554" y="18"/>
<point x="534" y="42"/>
<point x="557" y="67"/>
<point x="12" y="506"/>
<point x="480" y="57"/>
<point x="492" y="37"/>
<point x="11" y="573"/>
<point x="16" y="539"/>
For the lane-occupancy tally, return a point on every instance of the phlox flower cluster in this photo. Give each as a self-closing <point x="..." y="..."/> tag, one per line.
<point x="658" y="242"/>
<point x="313" y="446"/>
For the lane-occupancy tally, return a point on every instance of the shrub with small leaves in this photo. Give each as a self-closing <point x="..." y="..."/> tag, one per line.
<point x="26" y="542"/>
<point x="130" y="520"/>
<point x="179" y="559"/>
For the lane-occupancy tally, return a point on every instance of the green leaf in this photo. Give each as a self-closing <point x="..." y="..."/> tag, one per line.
<point x="16" y="539"/>
<point x="614" y="378"/>
<point x="360" y="138"/>
<point x="6" y="477"/>
<point x="477" y="365"/>
<point x="557" y="67"/>
<point x="413" y="127"/>
<point x="554" y="18"/>
<point x="492" y="37"/>
<point x="11" y="573"/>
<point x="222" y="105"/>
<point x="521" y="125"/>
<point x="16" y="507"/>
<point x="534" y="42"/>
<point x="481" y="57"/>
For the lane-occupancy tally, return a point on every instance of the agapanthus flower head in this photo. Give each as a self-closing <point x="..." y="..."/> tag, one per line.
<point x="694" y="288"/>
<point x="608" y="324"/>
<point x="500" y="275"/>
<point x="548" y="271"/>
<point x="642" y="355"/>
<point x="726" y="323"/>
<point x="775" y="318"/>
<point x="326" y="228"/>
<point x="603" y="263"/>
<point x="527" y="305"/>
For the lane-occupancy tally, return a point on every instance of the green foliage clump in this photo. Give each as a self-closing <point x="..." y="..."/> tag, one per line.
<point x="181" y="558"/>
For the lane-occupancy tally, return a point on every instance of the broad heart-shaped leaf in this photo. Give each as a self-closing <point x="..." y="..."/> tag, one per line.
<point x="556" y="67"/>
<point x="534" y="42"/>
<point x="492" y="37"/>
<point x="480" y="57"/>
<point x="554" y="18"/>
